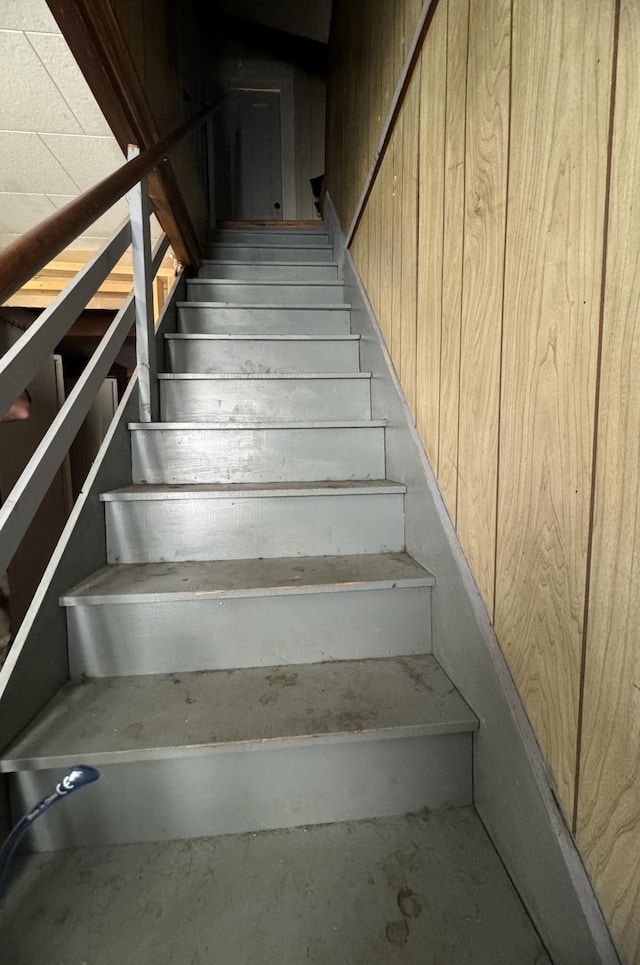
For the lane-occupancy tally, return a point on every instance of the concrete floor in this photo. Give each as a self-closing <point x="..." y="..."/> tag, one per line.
<point x="425" y="889"/>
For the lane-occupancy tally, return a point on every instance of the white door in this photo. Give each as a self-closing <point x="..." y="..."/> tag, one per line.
<point x="248" y="157"/>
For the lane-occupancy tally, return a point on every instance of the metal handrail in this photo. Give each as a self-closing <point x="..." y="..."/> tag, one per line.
<point x="30" y="253"/>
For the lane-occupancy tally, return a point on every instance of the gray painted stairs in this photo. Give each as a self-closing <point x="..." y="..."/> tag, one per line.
<point x="256" y="655"/>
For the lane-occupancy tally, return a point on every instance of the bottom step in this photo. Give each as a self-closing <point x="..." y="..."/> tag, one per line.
<point x="424" y="890"/>
<point x="228" y="751"/>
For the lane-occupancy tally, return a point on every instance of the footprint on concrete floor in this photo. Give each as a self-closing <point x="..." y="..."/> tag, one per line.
<point x="408" y="903"/>
<point x="397" y="932"/>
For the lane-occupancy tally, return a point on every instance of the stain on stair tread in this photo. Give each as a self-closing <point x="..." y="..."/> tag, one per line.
<point x="257" y="426"/>
<point x="104" y="720"/>
<point x="252" y="377"/>
<point x="315" y="895"/>
<point x="148" y="582"/>
<point x="354" y="487"/>
<point x="270" y="306"/>
<point x="257" y="337"/>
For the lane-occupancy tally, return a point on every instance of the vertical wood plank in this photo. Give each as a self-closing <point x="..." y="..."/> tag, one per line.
<point x="385" y="177"/>
<point x="560" y="122"/>
<point x="395" y="152"/>
<point x="608" y="825"/>
<point x="408" y="281"/>
<point x="387" y="76"/>
<point x="412" y="10"/>
<point x="376" y="264"/>
<point x="431" y="188"/>
<point x="398" y="40"/>
<point x="453" y="235"/>
<point x="376" y="86"/>
<point x="484" y="232"/>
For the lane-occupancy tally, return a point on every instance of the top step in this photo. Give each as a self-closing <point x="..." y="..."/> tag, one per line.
<point x="298" y="237"/>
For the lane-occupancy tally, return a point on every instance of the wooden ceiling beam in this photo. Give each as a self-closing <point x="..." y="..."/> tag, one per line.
<point x="95" y="39"/>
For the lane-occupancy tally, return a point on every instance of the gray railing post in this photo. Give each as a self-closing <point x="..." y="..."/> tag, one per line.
<point x="139" y="209"/>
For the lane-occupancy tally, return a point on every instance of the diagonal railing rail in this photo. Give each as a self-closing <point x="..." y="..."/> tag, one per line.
<point x="20" y="260"/>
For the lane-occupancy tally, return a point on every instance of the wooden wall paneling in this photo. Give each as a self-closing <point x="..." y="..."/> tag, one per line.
<point x="385" y="177"/>
<point x="408" y="280"/>
<point x="608" y="812"/>
<point x="376" y="264"/>
<point x="358" y="96"/>
<point x="431" y="187"/>
<point x="453" y="236"/>
<point x="397" y="54"/>
<point x="374" y="70"/>
<point x="395" y="153"/>
<point x="350" y="114"/>
<point x="412" y="11"/>
<point x="561" y="77"/>
<point x="487" y="136"/>
<point x="387" y="66"/>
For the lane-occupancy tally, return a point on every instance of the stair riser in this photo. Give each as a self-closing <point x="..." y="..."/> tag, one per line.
<point x="300" y="238"/>
<point x="223" y="633"/>
<point x="232" y="357"/>
<point x="269" y="321"/>
<point x="280" y="400"/>
<point x="158" y="530"/>
<point x="257" y="272"/>
<point x="257" y="254"/>
<point x="263" y="294"/>
<point x="235" y="791"/>
<point x="256" y="455"/>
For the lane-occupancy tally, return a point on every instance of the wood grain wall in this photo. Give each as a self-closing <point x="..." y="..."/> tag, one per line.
<point x="500" y="247"/>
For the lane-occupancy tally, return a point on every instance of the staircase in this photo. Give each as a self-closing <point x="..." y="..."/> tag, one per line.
<point x="252" y="673"/>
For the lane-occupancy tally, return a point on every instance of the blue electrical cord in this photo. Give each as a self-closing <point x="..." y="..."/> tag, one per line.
<point x="79" y="776"/>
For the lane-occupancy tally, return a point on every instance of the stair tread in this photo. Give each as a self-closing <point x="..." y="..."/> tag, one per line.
<point x="321" y="894"/>
<point x="281" y="282"/>
<point x="271" y="306"/>
<point x="267" y="264"/>
<point x="236" y="426"/>
<point x="116" y="719"/>
<point x="251" y="490"/>
<point x="258" y="337"/>
<point x="158" y="582"/>
<point x="258" y="376"/>
<point x="267" y="337"/>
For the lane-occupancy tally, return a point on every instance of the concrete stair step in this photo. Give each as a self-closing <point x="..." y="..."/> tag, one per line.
<point x="264" y="292"/>
<point x="215" y="318"/>
<point x="223" y="752"/>
<point x="165" y="617"/>
<point x="259" y="452"/>
<point x="289" y="271"/>
<point x="417" y="890"/>
<point x="261" y="396"/>
<point x="251" y="353"/>
<point x="147" y="524"/>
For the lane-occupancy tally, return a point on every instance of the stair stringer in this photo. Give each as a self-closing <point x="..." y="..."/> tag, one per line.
<point x="513" y="789"/>
<point x="38" y="665"/>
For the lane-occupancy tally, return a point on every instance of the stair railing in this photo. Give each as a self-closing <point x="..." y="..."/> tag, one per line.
<point x="20" y="260"/>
